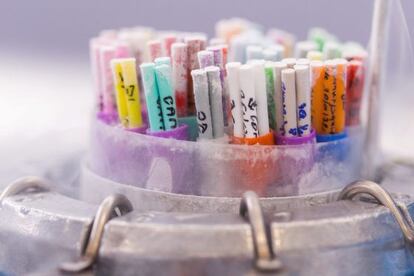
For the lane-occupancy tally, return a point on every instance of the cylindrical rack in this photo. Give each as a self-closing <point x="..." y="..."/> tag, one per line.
<point x="325" y="237"/>
<point x="132" y="160"/>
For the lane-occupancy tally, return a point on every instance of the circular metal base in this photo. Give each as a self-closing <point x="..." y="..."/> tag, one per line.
<point x="313" y="238"/>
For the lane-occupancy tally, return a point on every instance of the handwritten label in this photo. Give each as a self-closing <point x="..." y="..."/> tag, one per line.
<point x="161" y="120"/>
<point x="130" y="91"/>
<point x="232" y="107"/>
<point x="249" y="111"/>
<point x="202" y="122"/>
<point x="171" y="113"/>
<point x="302" y="114"/>
<point x="284" y="112"/>
<point x="292" y="131"/>
<point x="329" y="101"/>
<point x="122" y="87"/>
<point x="120" y="96"/>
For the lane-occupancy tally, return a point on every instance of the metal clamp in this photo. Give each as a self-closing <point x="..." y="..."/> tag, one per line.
<point x="398" y="209"/>
<point x="251" y="210"/>
<point x="114" y="205"/>
<point x="23" y="184"/>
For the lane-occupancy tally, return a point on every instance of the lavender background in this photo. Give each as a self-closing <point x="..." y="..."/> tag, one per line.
<point x="63" y="27"/>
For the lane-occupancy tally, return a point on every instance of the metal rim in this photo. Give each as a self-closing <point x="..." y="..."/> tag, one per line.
<point x="106" y="211"/>
<point x="251" y="211"/>
<point x="25" y="183"/>
<point x="398" y="209"/>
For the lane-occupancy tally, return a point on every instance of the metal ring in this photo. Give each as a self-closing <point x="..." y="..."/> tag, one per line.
<point x="251" y="210"/>
<point x="106" y="211"/>
<point x="23" y="184"/>
<point x="398" y="209"/>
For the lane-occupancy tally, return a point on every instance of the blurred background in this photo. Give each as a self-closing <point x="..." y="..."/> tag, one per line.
<point x="45" y="81"/>
<point x="63" y="28"/>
